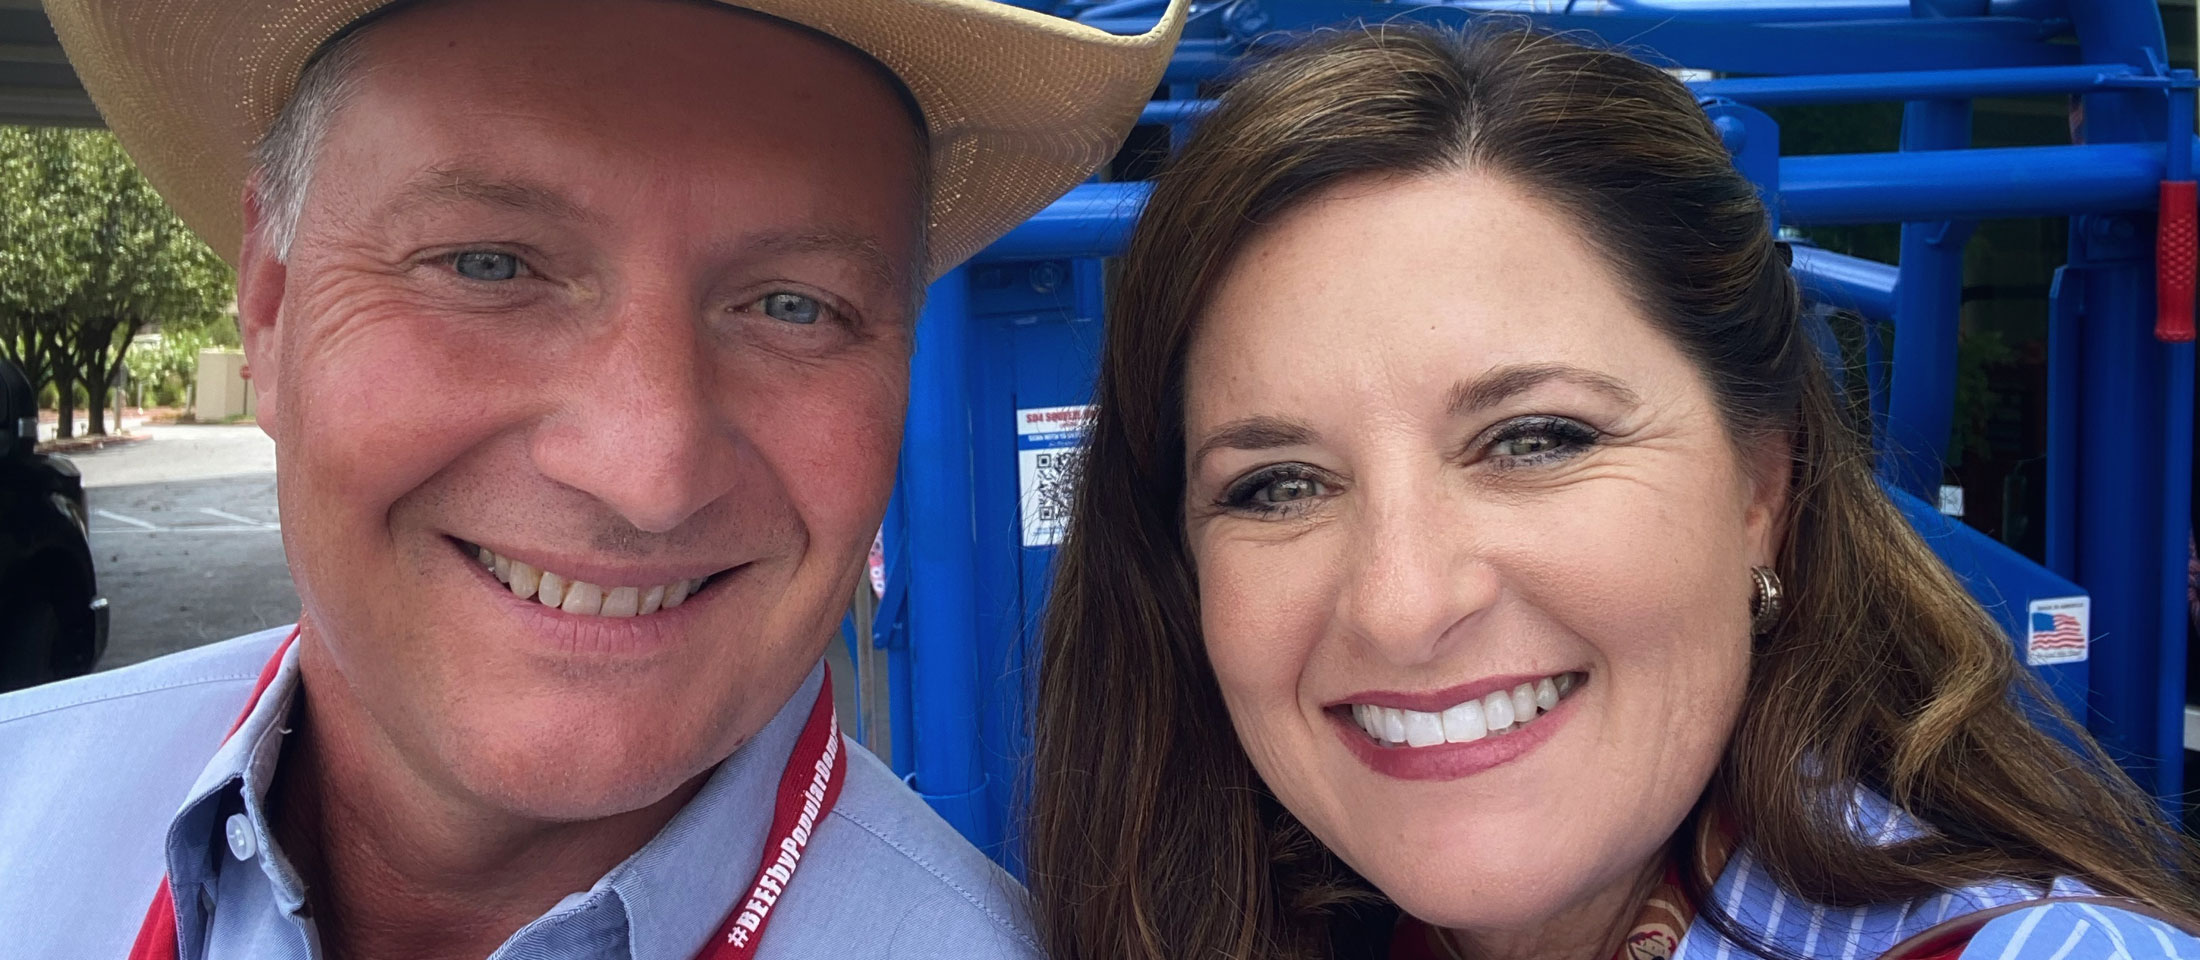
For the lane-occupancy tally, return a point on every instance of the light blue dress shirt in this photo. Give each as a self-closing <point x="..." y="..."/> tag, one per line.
<point x="108" y="780"/>
<point x="2055" y="930"/>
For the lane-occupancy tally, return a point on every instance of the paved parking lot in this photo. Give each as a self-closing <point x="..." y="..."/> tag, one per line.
<point x="186" y="539"/>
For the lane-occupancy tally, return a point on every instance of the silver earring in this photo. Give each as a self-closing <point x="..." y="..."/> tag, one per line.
<point x="1764" y="606"/>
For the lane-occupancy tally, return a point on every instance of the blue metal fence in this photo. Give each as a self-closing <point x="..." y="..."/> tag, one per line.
<point x="1017" y="331"/>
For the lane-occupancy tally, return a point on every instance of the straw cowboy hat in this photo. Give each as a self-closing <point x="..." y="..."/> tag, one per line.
<point x="1020" y="105"/>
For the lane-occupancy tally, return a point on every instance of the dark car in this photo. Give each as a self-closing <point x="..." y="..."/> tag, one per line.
<point x="53" y="622"/>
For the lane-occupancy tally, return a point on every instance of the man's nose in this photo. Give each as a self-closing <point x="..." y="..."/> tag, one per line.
<point x="640" y="431"/>
<point x="1415" y="575"/>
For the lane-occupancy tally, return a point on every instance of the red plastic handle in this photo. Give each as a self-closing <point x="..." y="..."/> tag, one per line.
<point x="2176" y="243"/>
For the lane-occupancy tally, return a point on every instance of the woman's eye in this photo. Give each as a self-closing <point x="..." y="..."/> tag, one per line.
<point x="487" y="265"/>
<point x="1526" y="446"/>
<point x="1532" y="440"/>
<point x="1288" y="489"/>
<point x="791" y="308"/>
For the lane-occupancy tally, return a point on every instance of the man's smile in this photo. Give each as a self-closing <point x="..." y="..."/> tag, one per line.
<point x="572" y="594"/>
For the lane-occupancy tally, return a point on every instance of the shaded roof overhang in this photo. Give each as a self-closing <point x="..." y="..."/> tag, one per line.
<point x="36" y="84"/>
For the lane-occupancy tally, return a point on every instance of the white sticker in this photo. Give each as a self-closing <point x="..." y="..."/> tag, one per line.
<point x="1048" y="448"/>
<point x="1951" y="500"/>
<point x="2058" y="630"/>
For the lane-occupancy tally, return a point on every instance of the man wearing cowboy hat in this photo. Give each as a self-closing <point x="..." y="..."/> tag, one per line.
<point x="582" y="330"/>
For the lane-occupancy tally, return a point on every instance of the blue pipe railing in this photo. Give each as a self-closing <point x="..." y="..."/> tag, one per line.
<point x="1921" y="399"/>
<point x="1850" y="87"/>
<point x="1094" y="219"/>
<point x="1851" y="283"/>
<point x="943" y="659"/>
<point x="1974" y="184"/>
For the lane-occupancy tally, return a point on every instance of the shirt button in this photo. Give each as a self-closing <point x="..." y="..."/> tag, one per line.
<point x="242" y="844"/>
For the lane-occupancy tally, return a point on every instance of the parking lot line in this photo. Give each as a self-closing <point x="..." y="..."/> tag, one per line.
<point x="226" y="515"/>
<point x="133" y="521"/>
<point x="209" y="528"/>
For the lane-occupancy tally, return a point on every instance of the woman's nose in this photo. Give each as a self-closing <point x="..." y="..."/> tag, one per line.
<point x="1416" y="575"/>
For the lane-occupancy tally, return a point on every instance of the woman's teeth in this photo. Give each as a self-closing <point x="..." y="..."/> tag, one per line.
<point x="580" y="596"/>
<point x="1500" y="712"/>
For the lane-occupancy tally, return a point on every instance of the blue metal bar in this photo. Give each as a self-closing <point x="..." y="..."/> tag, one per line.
<point x="2120" y="31"/>
<point x="1095" y="219"/>
<point x="1851" y="283"/>
<point x="2122" y="407"/>
<point x="1779" y="49"/>
<point x="1971" y="184"/>
<point x="2179" y="162"/>
<point x="1851" y="87"/>
<point x="1120" y="26"/>
<point x="1921" y="400"/>
<point x="1918" y="84"/>
<point x="1174" y="111"/>
<point x="1749" y="11"/>
<point x="1197" y="60"/>
<point x="2133" y="389"/>
<point x="1150" y="9"/>
<point x="1092" y="220"/>
<point x="2173" y="573"/>
<point x="2177" y="424"/>
<point x="936" y="473"/>
<point x="2064" y="316"/>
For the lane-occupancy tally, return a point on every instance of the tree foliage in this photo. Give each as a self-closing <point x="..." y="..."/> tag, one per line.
<point x="89" y="257"/>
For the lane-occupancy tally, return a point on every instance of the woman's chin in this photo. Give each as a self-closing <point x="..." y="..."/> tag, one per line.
<point x="1507" y="882"/>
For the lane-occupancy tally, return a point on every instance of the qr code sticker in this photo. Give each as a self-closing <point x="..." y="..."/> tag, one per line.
<point x="1057" y="483"/>
<point x="1049" y="486"/>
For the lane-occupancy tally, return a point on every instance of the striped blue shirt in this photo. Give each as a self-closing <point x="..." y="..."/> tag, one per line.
<point x="2050" y="931"/>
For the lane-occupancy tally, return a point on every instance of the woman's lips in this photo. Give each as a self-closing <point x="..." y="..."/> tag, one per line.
<point x="1462" y="739"/>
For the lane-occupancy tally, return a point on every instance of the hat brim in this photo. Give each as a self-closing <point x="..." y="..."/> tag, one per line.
<point x="1020" y="105"/>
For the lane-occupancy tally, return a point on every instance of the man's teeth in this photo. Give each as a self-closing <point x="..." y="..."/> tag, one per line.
<point x="580" y="596"/>
<point x="1500" y="712"/>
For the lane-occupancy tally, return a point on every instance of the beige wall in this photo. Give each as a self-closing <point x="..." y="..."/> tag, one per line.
<point x="223" y="392"/>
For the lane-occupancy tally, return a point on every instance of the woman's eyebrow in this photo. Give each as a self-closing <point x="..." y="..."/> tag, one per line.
<point x="1496" y="386"/>
<point x="1253" y="433"/>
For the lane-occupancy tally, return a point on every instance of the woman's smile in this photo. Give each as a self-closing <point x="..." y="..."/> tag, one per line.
<point x="1397" y="735"/>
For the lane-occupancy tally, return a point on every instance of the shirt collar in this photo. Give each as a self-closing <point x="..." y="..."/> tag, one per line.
<point x="244" y="764"/>
<point x="673" y="892"/>
<point x="680" y="886"/>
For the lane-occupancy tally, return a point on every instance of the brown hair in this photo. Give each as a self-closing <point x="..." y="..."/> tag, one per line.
<point x="1151" y="834"/>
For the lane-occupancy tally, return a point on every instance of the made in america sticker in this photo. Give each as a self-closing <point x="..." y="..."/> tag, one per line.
<point x="2058" y="630"/>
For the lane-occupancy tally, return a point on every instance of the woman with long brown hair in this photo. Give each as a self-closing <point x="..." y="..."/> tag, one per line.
<point x="1473" y="559"/>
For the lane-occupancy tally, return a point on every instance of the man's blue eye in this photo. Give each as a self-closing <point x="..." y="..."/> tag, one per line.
<point x="486" y="265"/>
<point x="791" y="307"/>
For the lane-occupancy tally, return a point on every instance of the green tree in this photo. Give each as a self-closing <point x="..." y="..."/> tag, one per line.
<point x="89" y="257"/>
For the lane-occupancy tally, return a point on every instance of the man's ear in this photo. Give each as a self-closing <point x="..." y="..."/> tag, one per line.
<point x="1769" y="469"/>
<point x="261" y="277"/>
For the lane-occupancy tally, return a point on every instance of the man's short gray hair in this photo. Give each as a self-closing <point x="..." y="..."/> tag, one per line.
<point x="282" y="164"/>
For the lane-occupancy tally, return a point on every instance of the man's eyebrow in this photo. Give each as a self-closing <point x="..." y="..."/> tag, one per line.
<point x="1253" y="433"/>
<point x="446" y="184"/>
<point x="846" y="243"/>
<point x="1498" y="385"/>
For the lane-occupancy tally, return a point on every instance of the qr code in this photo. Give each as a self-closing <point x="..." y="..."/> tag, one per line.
<point x="1055" y="484"/>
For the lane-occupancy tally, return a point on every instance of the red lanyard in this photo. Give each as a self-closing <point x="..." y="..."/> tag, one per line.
<point x="808" y="788"/>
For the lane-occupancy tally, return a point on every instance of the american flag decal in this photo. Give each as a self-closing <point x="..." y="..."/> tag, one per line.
<point x="2051" y="630"/>
<point x="2057" y="633"/>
